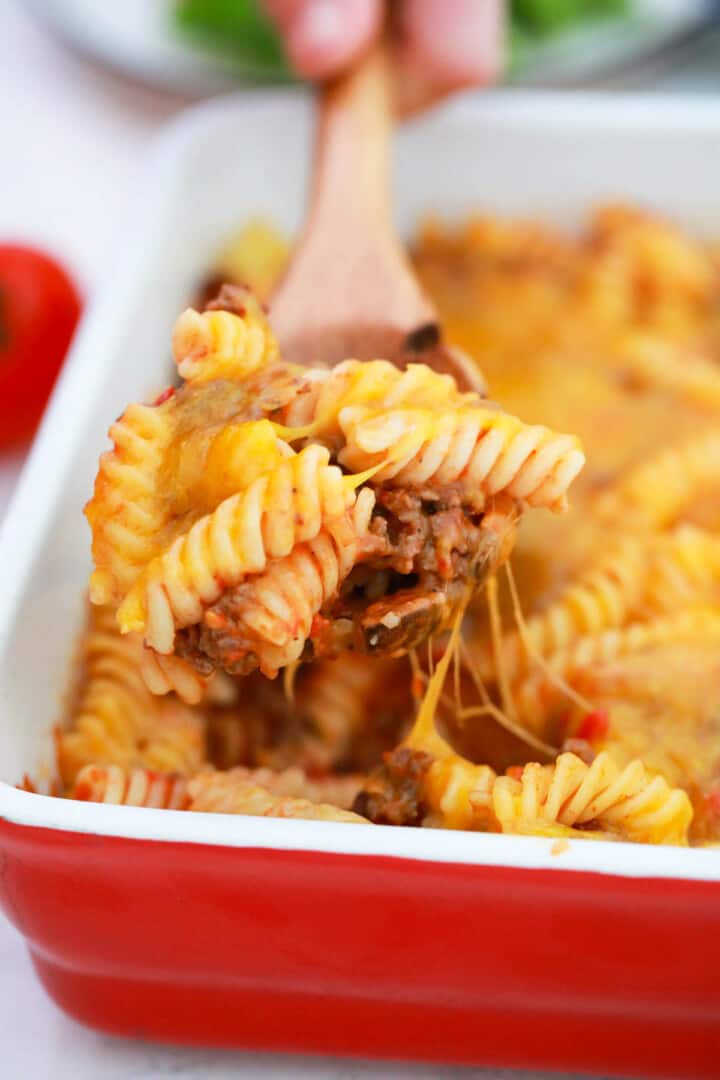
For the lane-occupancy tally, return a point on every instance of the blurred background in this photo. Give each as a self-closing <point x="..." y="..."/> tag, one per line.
<point x="84" y="87"/>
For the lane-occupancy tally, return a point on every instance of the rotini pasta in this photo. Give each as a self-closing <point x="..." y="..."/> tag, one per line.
<point x="601" y="598"/>
<point x="350" y="709"/>
<point x="482" y="451"/>
<point x="655" y="493"/>
<point x="538" y="692"/>
<point x="245" y="541"/>
<point x="175" y="460"/>
<point x="684" y="571"/>
<point x="262" y="517"/>
<point x="267" y="621"/>
<point x="650" y="361"/>
<point x="627" y="803"/>
<point x="163" y="674"/>
<point x="278" y="510"/>
<point x="373" y="384"/>
<point x="340" y="791"/>
<point x="124" y="515"/>
<point x="220" y="344"/>
<point x="223" y="793"/>
<point x="136" y="787"/>
<point x="115" y="720"/>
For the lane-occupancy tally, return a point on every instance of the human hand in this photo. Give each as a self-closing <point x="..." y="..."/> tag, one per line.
<point x="440" y="45"/>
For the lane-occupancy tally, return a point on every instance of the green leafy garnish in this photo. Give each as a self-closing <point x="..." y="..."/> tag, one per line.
<point x="242" y="30"/>
<point x="237" y="27"/>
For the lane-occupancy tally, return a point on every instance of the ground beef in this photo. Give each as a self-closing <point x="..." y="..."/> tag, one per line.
<point x="413" y="571"/>
<point x="218" y="643"/>
<point x="393" y="794"/>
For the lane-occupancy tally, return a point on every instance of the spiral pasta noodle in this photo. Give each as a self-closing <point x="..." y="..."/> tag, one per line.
<point x="220" y="344"/>
<point x="656" y="256"/>
<point x="374" y="384"/>
<point x="448" y="788"/>
<point x="167" y="674"/>
<point x="224" y="793"/>
<point x="270" y="616"/>
<point x="157" y="478"/>
<point x="350" y="707"/>
<point x="135" y="787"/>
<point x="628" y="803"/>
<point x="294" y="782"/>
<point x="656" y="491"/>
<point x="684" y="570"/>
<point x="115" y="719"/>
<point x="537" y="692"/>
<point x="483" y="452"/>
<point x="277" y="511"/>
<point x="693" y="377"/>
<point x="259" y="792"/>
<point x="123" y="514"/>
<point x="334" y="698"/>
<point x="601" y="598"/>
<point x="174" y="460"/>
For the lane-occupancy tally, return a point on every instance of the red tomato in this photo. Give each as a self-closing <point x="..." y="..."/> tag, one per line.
<point x="39" y="309"/>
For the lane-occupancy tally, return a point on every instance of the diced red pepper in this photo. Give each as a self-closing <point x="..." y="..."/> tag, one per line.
<point x="165" y="396"/>
<point x="594" y="726"/>
<point x="713" y="801"/>
<point x="318" y="626"/>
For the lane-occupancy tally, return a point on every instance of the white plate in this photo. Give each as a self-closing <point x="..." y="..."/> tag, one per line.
<point x="138" y="38"/>
<point x="554" y="156"/>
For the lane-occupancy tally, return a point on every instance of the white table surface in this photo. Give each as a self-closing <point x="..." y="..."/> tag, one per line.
<point x="74" y="139"/>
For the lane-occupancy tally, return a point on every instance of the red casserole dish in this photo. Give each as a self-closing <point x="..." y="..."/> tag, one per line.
<point x="311" y="936"/>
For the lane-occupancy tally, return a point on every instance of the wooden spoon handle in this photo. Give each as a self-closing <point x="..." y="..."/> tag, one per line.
<point x="351" y="181"/>
<point x="349" y="289"/>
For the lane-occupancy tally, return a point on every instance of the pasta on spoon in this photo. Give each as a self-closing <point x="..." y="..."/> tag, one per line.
<point x="265" y="513"/>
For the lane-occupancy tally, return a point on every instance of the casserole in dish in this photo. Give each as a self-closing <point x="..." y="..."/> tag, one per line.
<point x="299" y="935"/>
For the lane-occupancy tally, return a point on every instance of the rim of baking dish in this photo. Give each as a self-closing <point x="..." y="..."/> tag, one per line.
<point x="426" y="845"/>
<point x="27" y="518"/>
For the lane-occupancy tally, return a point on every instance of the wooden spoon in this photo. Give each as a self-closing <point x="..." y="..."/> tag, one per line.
<point x="350" y="290"/>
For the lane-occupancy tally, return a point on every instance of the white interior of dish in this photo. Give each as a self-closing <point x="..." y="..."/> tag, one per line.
<point x="244" y="157"/>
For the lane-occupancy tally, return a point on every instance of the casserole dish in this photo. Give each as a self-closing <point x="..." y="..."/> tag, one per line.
<point x="297" y="935"/>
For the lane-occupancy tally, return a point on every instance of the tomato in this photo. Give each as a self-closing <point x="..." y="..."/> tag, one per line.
<point x="39" y="310"/>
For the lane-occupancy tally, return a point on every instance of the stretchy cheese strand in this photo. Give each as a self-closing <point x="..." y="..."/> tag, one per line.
<point x="601" y="598"/>
<point x="450" y="778"/>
